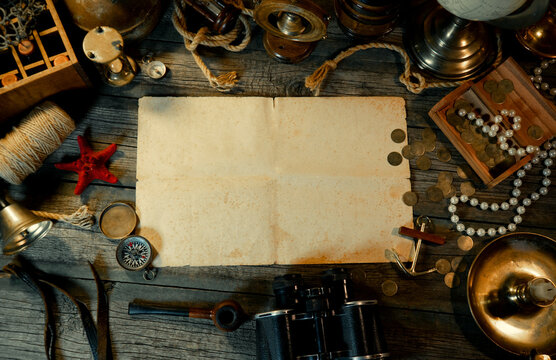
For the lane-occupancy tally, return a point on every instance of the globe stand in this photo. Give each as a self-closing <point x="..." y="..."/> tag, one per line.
<point x="449" y="47"/>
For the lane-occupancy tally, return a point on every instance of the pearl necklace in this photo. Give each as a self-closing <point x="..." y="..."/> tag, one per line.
<point x="537" y="78"/>
<point x="503" y="135"/>
<point x="548" y="154"/>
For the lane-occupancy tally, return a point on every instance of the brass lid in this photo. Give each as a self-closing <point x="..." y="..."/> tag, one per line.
<point x="103" y="44"/>
<point x="506" y="262"/>
<point x="117" y="220"/>
<point x="301" y="21"/>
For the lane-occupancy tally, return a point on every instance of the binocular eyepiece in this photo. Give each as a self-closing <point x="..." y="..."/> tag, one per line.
<point x="319" y="323"/>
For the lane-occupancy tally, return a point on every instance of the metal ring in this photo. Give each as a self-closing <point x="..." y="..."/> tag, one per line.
<point x="423" y="219"/>
<point x="149" y="273"/>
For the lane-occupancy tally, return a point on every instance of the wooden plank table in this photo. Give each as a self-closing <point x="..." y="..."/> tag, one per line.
<point x="424" y="320"/>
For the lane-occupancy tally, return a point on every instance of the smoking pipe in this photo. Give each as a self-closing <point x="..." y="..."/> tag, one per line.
<point x="226" y="315"/>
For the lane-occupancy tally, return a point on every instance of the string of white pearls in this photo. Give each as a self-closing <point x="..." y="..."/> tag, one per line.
<point x="547" y="155"/>
<point x="537" y="79"/>
<point x="503" y="135"/>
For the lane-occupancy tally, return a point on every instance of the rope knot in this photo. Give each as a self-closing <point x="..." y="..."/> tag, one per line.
<point x="414" y="82"/>
<point x="314" y="80"/>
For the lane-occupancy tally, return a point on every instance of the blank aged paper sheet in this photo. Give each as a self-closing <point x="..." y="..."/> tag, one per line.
<point x="248" y="181"/>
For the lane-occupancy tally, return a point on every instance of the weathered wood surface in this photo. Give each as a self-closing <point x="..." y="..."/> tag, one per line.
<point x="425" y="320"/>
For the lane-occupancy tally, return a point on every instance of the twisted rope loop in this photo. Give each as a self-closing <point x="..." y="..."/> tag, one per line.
<point x="227" y="81"/>
<point x="81" y="218"/>
<point x="413" y="81"/>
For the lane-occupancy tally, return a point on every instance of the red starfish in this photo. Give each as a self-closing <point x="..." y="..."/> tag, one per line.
<point x="90" y="166"/>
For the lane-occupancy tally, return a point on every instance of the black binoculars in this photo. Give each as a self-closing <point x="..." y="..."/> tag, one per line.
<point x="319" y="323"/>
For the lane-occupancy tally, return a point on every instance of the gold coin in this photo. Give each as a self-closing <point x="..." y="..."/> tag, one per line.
<point x="467" y="136"/>
<point x="398" y="136"/>
<point x="451" y="193"/>
<point x="498" y="96"/>
<point x="535" y="132"/>
<point x="389" y="288"/>
<point x="428" y="135"/>
<point x="490" y="163"/>
<point x="443" y="154"/>
<point x="453" y="119"/>
<point x="451" y="280"/>
<point x="394" y="158"/>
<point x="434" y="194"/>
<point x="478" y="146"/>
<point x="417" y="148"/>
<point x="445" y="187"/>
<point x="491" y="150"/>
<point x="463" y="104"/>
<point x="460" y="103"/>
<point x="490" y="86"/>
<point x="482" y="155"/>
<point x="443" y="266"/>
<point x="462" y="171"/>
<point x="406" y="152"/>
<point x="465" y="243"/>
<point x="506" y="86"/>
<point x="458" y="264"/>
<point x="410" y="198"/>
<point x="423" y="162"/>
<point x="445" y="177"/>
<point x="467" y="188"/>
<point x="430" y="146"/>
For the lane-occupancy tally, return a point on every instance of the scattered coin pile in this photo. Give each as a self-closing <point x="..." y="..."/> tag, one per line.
<point x="458" y="265"/>
<point x="498" y="90"/>
<point x="427" y="144"/>
<point x="485" y="147"/>
<point x="417" y="150"/>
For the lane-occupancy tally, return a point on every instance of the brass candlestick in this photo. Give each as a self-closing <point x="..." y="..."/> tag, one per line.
<point x="511" y="293"/>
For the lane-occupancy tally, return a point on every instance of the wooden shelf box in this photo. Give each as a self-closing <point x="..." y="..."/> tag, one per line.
<point x="37" y="74"/>
<point x="533" y="108"/>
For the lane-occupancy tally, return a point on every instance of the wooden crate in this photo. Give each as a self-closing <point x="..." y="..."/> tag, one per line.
<point x="37" y="76"/>
<point x="533" y="108"/>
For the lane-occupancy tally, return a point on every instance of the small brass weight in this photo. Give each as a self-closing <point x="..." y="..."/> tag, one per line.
<point x="292" y="28"/>
<point x="105" y="46"/>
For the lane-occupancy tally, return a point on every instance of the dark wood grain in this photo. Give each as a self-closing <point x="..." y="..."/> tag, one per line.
<point x="424" y="320"/>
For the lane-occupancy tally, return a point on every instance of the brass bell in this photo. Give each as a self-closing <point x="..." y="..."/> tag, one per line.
<point x="20" y="227"/>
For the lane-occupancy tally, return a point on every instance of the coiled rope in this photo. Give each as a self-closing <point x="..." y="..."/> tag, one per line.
<point x="227" y="81"/>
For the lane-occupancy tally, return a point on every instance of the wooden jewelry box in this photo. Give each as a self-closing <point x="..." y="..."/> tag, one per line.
<point x="51" y="67"/>
<point x="537" y="113"/>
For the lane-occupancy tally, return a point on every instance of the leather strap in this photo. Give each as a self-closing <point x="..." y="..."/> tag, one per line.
<point x="99" y="342"/>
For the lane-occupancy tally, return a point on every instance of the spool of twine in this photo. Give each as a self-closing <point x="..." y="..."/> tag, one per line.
<point x="40" y="133"/>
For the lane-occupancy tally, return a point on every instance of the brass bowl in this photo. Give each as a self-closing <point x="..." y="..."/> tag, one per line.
<point x="509" y="260"/>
